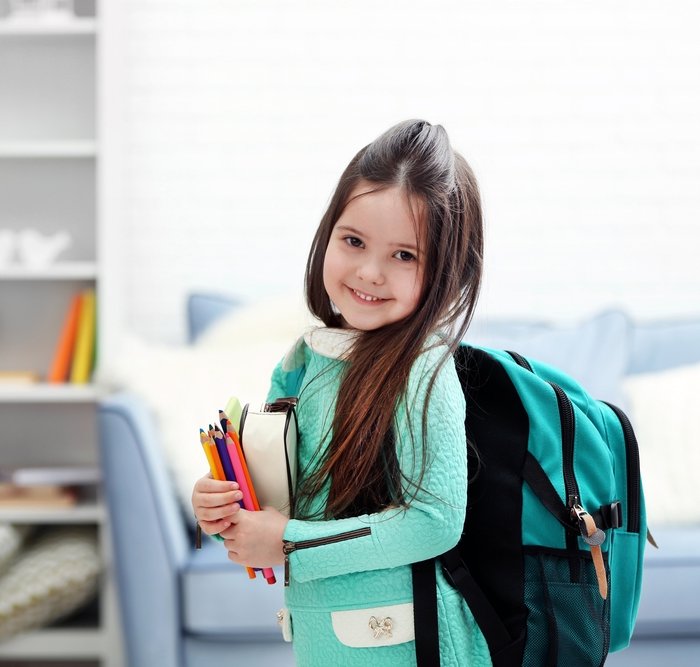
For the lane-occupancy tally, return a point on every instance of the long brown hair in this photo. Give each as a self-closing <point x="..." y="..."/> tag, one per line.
<point x="361" y="460"/>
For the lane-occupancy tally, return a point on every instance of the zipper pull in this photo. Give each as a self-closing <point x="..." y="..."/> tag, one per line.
<point x="594" y="537"/>
<point x="287" y="548"/>
<point x="651" y="540"/>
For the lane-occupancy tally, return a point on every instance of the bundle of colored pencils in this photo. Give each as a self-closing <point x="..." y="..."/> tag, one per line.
<point x="227" y="462"/>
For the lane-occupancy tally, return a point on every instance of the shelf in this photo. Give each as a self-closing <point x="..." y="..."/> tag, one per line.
<point x="52" y="643"/>
<point x="58" y="271"/>
<point x="47" y="149"/>
<point x="50" y="393"/>
<point x="27" y="28"/>
<point x="87" y="513"/>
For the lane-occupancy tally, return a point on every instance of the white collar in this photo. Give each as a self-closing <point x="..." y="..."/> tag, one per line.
<point x="330" y="342"/>
<point x="326" y="341"/>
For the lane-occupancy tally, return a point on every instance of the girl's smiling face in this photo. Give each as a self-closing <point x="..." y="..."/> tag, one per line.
<point x="373" y="268"/>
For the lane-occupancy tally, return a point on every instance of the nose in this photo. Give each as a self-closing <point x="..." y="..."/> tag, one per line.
<point x="370" y="271"/>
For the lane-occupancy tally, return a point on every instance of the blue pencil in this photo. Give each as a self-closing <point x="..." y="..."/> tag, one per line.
<point x="223" y="455"/>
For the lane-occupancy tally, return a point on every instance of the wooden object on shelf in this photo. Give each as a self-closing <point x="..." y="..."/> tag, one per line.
<point x="18" y="377"/>
<point x="47" y="496"/>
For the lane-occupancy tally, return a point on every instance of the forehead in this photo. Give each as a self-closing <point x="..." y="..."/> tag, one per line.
<point x="373" y="206"/>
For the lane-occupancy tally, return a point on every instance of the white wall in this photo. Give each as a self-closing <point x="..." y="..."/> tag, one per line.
<point x="579" y="118"/>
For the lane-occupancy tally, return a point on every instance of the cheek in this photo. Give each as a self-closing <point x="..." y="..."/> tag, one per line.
<point x="330" y="269"/>
<point x="335" y="263"/>
<point x="414" y="289"/>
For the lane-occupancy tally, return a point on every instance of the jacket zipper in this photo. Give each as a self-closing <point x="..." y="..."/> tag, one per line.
<point x="568" y="435"/>
<point x="633" y="475"/>
<point x="288" y="547"/>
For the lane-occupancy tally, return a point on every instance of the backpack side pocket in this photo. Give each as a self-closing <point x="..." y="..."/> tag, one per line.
<point x="568" y="621"/>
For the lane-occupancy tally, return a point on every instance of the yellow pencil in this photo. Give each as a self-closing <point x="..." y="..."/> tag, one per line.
<point x="207" y="452"/>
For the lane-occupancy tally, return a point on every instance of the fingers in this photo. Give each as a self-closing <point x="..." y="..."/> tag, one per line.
<point x="214" y="527"/>
<point x="229" y="532"/>
<point x="207" y="484"/>
<point x="217" y="513"/>
<point x="213" y="499"/>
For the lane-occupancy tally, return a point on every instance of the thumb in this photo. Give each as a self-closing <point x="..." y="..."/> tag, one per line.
<point x="237" y="516"/>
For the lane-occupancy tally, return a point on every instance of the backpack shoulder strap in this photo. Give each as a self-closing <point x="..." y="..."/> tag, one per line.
<point x="425" y="619"/>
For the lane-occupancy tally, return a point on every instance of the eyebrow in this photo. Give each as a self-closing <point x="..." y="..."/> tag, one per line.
<point x="352" y="230"/>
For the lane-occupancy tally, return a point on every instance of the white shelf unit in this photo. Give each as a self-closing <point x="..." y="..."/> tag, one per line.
<point x="50" y="175"/>
<point x="64" y="643"/>
<point x="62" y="271"/>
<point x="92" y="512"/>
<point x="50" y="393"/>
<point x="47" y="149"/>
<point x="25" y="28"/>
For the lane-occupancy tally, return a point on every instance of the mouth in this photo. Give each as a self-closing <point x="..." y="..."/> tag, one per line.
<point x="366" y="298"/>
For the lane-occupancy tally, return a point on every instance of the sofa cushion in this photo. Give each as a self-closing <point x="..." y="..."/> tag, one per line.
<point x="661" y="345"/>
<point x="594" y="352"/>
<point x="203" y="309"/>
<point x="56" y="574"/>
<point x="662" y="407"/>
<point x="219" y="598"/>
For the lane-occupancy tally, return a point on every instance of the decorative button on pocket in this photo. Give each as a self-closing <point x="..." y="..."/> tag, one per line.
<point x="381" y="627"/>
<point x="387" y="625"/>
<point x="284" y="620"/>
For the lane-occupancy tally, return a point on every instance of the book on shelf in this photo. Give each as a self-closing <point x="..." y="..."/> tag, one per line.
<point x="50" y="475"/>
<point x="74" y="355"/>
<point x="44" y="496"/>
<point x="63" y="356"/>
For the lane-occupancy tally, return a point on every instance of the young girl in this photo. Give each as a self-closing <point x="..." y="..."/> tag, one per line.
<point x="393" y="273"/>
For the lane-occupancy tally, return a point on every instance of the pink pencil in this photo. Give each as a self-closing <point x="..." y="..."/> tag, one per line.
<point x="247" y="498"/>
<point x="240" y="476"/>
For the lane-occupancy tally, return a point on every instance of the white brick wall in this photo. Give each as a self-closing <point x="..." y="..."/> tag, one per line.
<point x="579" y="118"/>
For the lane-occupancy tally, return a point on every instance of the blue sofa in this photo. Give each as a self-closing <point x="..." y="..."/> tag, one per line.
<point x="186" y="608"/>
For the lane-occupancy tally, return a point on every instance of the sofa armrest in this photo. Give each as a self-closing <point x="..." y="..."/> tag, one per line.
<point x="148" y="532"/>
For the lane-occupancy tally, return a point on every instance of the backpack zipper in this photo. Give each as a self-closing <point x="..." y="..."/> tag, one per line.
<point x="633" y="475"/>
<point x="288" y="547"/>
<point x="568" y="435"/>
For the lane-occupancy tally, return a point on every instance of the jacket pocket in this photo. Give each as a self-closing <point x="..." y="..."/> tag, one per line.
<point x="374" y="626"/>
<point x="289" y="547"/>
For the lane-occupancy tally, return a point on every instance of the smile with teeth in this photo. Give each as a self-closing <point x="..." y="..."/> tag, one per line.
<point x="365" y="297"/>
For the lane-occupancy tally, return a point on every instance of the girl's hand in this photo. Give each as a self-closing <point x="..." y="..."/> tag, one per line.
<point x="255" y="538"/>
<point x="215" y="502"/>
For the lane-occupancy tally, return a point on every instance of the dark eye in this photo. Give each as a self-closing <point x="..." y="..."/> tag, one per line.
<point x="353" y="241"/>
<point x="405" y="256"/>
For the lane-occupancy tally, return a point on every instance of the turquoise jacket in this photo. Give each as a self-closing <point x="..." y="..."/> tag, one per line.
<point x="350" y="594"/>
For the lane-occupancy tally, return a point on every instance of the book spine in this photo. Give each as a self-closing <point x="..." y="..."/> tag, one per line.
<point x="61" y="364"/>
<point x="85" y="340"/>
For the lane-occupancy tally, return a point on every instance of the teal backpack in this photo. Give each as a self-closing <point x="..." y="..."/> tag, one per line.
<point x="550" y="560"/>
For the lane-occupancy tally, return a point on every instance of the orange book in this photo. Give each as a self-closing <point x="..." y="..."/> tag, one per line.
<point x="63" y="356"/>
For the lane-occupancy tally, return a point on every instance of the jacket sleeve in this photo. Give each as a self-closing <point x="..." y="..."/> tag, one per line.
<point x="433" y="522"/>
